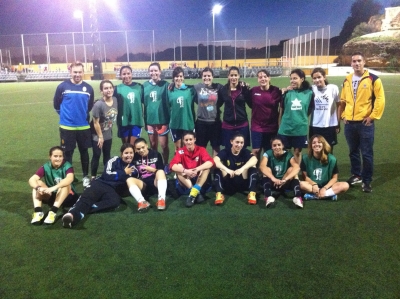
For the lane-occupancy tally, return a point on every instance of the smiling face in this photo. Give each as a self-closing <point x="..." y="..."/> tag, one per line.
<point x="207" y="78"/>
<point x="155" y="73"/>
<point x="237" y="144"/>
<point x="318" y="79"/>
<point x="233" y="77"/>
<point x="178" y="80"/>
<point x="126" y="76"/>
<point x="76" y="74"/>
<point x="189" y="141"/>
<point x="127" y="155"/>
<point x="357" y="63"/>
<point x="277" y="147"/>
<point x="317" y="146"/>
<point x="56" y="158"/>
<point x="263" y="80"/>
<point x="296" y="81"/>
<point x="108" y="90"/>
<point x="142" y="149"/>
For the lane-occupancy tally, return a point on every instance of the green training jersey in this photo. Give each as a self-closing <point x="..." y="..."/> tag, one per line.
<point x="130" y="99"/>
<point x="156" y="107"/>
<point x="181" y="102"/>
<point x="318" y="172"/>
<point x="278" y="166"/>
<point x="296" y="104"/>
<point x="53" y="176"/>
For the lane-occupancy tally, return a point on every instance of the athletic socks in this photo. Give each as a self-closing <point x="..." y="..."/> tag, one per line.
<point x="329" y="193"/>
<point x="54" y="209"/>
<point x="195" y="190"/>
<point x="38" y="209"/>
<point x="162" y="188"/>
<point x="136" y="193"/>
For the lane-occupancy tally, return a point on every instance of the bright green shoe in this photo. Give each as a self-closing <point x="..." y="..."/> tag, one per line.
<point x="51" y="218"/>
<point x="37" y="218"/>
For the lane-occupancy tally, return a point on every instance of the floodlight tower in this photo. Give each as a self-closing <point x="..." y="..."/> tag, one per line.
<point x="95" y="34"/>
<point x="78" y="14"/>
<point x="215" y="10"/>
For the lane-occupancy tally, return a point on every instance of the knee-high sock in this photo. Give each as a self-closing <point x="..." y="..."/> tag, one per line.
<point x="162" y="188"/>
<point x="136" y="193"/>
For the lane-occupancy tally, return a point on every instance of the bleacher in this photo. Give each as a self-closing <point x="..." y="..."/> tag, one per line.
<point x="48" y="76"/>
<point x="8" y="77"/>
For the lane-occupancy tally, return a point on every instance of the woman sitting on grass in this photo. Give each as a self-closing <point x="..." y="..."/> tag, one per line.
<point x="320" y="171"/>
<point x="235" y="171"/>
<point x="55" y="188"/>
<point x="279" y="169"/>
<point x="192" y="165"/>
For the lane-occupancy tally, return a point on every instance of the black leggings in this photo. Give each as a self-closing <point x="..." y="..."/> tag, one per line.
<point x="94" y="165"/>
<point x="293" y="184"/>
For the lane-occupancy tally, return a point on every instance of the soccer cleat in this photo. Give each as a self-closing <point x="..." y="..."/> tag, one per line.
<point x="354" y="179"/>
<point x="200" y="198"/>
<point x="309" y="196"/>
<point x="269" y="201"/>
<point x="86" y="181"/>
<point x="219" y="198"/>
<point x="37" y="218"/>
<point x="334" y="197"/>
<point x="166" y="169"/>
<point x="366" y="188"/>
<point x="51" y="218"/>
<point x="67" y="220"/>
<point x="161" y="204"/>
<point x="251" y="198"/>
<point x="143" y="206"/>
<point x="190" y="201"/>
<point x="298" y="202"/>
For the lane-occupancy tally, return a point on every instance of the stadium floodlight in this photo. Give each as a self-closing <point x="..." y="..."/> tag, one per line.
<point x="78" y="14"/>
<point x="215" y="10"/>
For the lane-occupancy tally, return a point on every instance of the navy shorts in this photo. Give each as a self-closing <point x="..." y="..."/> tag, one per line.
<point x="150" y="188"/>
<point x="177" y="134"/>
<point x="261" y="140"/>
<point x="227" y="134"/>
<point x="182" y="190"/>
<point x="69" y="139"/>
<point x="328" y="133"/>
<point x="294" y="141"/>
<point x="208" y="132"/>
<point x="129" y="131"/>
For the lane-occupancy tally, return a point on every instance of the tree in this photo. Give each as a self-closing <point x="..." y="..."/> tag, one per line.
<point x="362" y="29"/>
<point x="360" y="11"/>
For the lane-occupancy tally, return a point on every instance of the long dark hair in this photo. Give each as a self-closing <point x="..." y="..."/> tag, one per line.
<point x="302" y="75"/>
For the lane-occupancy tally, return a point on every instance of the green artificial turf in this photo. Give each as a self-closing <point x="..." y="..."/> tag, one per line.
<point x="344" y="249"/>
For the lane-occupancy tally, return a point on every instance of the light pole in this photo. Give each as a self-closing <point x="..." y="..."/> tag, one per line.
<point x="216" y="10"/>
<point x="79" y="15"/>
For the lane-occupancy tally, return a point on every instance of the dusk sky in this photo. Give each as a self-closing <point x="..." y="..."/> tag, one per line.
<point x="166" y="17"/>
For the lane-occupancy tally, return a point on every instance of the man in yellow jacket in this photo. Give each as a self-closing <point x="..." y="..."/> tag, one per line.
<point x="362" y="101"/>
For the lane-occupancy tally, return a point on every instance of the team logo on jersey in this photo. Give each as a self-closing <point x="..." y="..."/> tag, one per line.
<point x="196" y="159"/>
<point x="318" y="174"/>
<point x="179" y="100"/>
<point x="296" y="104"/>
<point x="84" y="88"/>
<point x="131" y="97"/>
<point x="57" y="180"/>
<point x="180" y="152"/>
<point x="278" y="169"/>
<point x="153" y="96"/>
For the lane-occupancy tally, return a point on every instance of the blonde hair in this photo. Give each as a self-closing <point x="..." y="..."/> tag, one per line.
<point x="326" y="148"/>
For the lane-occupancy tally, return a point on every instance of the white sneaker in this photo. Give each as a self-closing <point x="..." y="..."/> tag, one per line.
<point x="298" y="202"/>
<point x="86" y="181"/>
<point x="269" y="201"/>
<point x="51" y="218"/>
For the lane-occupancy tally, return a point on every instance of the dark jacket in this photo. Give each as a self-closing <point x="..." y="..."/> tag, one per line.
<point x="235" y="108"/>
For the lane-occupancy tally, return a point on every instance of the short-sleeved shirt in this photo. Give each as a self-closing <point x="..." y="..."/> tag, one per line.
<point x="53" y="176"/>
<point x="107" y="117"/>
<point x="318" y="172"/>
<point x="232" y="161"/>
<point x="280" y="165"/>
<point x="208" y="106"/>
<point x="325" y="110"/>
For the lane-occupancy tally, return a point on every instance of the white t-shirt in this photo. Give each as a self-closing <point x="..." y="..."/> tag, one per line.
<point x="325" y="111"/>
<point x="355" y="82"/>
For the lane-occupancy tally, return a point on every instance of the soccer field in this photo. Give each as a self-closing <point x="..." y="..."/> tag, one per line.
<point x="344" y="249"/>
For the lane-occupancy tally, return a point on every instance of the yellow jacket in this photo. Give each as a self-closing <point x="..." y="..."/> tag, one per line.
<point x="370" y="101"/>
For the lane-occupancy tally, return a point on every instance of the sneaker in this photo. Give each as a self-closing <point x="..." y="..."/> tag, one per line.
<point x="161" y="204"/>
<point x="334" y="197"/>
<point x="143" y="206"/>
<point x="190" y="201"/>
<point x="251" y="198"/>
<point x="309" y="196"/>
<point x="200" y="198"/>
<point x="366" y="188"/>
<point x="86" y="181"/>
<point x="166" y="169"/>
<point x="354" y="179"/>
<point x="269" y="201"/>
<point x="67" y="220"/>
<point x="298" y="202"/>
<point x="219" y="198"/>
<point x="51" y="218"/>
<point x="37" y="218"/>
